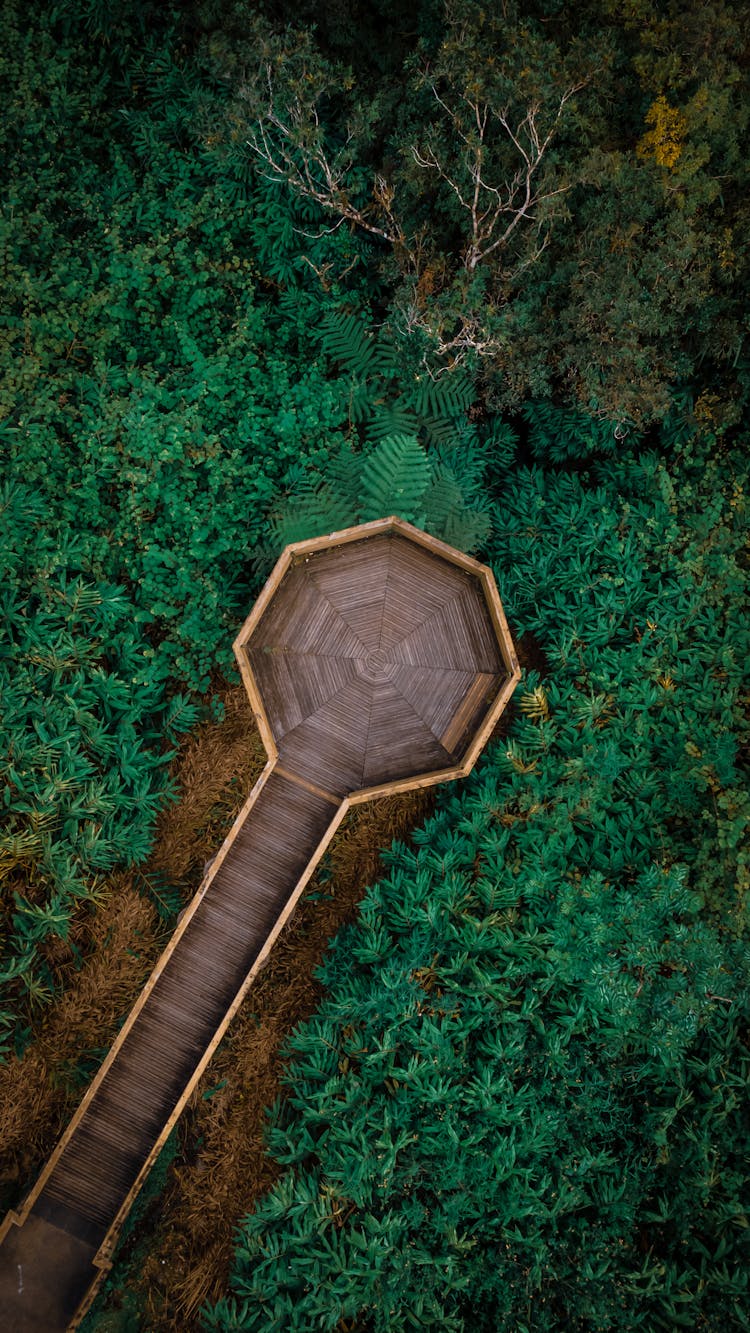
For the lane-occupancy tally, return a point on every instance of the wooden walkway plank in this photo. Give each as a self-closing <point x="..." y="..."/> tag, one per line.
<point x="352" y="580"/>
<point x="100" y="1163"/>
<point x="375" y="660"/>
<point x="417" y="588"/>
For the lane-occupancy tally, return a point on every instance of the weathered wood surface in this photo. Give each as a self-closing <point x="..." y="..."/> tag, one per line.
<point x="373" y="663"/>
<point x="97" y="1170"/>
<point x="186" y="1005"/>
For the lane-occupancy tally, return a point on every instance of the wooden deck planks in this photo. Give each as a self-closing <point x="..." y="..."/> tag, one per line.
<point x="306" y="621"/>
<point x="352" y="579"/>
<point x="328" y="748"/>
<point x="418" y="586"/>
<point x="297" y="684"/>
<point x="375" y="660"/>
<point x="460" y="631"/>
<point x="186" y="1005"/>
<point x="404" y="691"/>
<point x="469" y="713"/>
<point x="398" y="741"/>
<point x="434" y="694"/>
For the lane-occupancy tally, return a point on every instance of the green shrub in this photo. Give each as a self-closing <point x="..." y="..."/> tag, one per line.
<point x="519" y="1105"/>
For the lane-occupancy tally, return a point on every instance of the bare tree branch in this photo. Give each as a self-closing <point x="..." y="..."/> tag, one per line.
<point x="292" y="149"/>
<point x="495" y="209"/>
<point x="287" y="137"/>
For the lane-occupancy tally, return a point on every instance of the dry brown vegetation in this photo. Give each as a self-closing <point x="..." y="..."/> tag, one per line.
<point x="215" y="769"/>
<point x="39" y="1091"/>
<point x="224" y="1167"/>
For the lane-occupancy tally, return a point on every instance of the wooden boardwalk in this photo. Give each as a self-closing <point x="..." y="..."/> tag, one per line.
<point x="124" y="1119"/>
<point x="375" y="660"/>
<point x="378" y="663"/>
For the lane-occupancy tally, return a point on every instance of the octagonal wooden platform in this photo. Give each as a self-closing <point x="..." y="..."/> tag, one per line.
<point x="376" y="660"/>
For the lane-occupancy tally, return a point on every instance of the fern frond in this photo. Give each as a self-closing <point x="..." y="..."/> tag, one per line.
<point x="442" y="496"/>
<point x="391" y="419"/>
<point x="465" y="457"/>
<point x="347" y="339"/>
<point x="389" y="361"/>
<point x="501" y="446"/>
<point x="558" y="434"/>
<point x="312" y="514"/>
<point x="395" y="478"/>
<point x="448" y="396"/>
<point x="468" y="529"/>
<point x="449" y="517"/>
<point x="166" y="898"/>
<point x="181" y="714"/>
<point x="440" y="431"/>
<point x="344" y="477"/>
<point x="359" y="400"/>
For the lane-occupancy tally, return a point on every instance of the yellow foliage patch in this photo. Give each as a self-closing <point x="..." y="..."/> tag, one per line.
<point x="663" y="142"/>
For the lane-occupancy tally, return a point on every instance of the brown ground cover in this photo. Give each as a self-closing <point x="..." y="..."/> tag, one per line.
<point x="185" y="1242"/>
<point x="187" y="1235"/>
<point x="120" y="941"/>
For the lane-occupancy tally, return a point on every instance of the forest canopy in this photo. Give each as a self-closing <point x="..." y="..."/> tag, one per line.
<point x="269" y="269"/>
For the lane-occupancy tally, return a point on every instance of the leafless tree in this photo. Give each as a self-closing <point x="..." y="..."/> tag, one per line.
<point x="291" y="146"/>
<point x="495" y="208"/>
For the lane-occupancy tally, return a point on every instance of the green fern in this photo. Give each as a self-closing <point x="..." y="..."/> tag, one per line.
<point x="448" y="516"/>
<point x="347" y="339"/>
<point x="391" y="419"/>
<point x="359" y="400"/>
<point x="501" y="446"/>
<point x="181" y="715"/>
<point x="442" y="496"/>
<point x="439" y="431"/>
<point x="558" y="434"/>
<point x="166" y="898"/>
<point x="467" y="529"/>
<point x="449" y="396"/>
<point x="395" y="478"/>
<point x="344" y="477"/>
<point x="311" y="514"/>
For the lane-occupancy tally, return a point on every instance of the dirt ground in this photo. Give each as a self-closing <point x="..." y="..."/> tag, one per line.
<point x="186" y="1234"/>
<point x="120" y="942"/>
<point x="187" y="1237"/>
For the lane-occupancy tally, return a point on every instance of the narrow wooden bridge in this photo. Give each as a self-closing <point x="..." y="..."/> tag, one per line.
<point x="376" y="660"/>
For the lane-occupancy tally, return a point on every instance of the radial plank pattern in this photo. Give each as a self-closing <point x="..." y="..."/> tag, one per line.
<point x="367" y="656"/>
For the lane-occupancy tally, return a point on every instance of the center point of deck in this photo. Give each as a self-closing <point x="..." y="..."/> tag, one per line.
<point x="377" y="661"/>
<point x="374" y="668"/>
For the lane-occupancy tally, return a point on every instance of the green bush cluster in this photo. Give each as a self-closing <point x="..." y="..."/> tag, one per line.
<point x="151" y="399"/>
<point x="169" y="403"/>
<point x="520" y="1105"/>
<point x="86" y="740"/>
<point x="558" y="191"/>
<point x="150" y="408"/>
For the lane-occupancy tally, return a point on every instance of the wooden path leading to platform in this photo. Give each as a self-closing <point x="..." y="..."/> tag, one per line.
<point x="376" y="660"/>
<point x="88" y="1186"/>
<point x="183" y="1010"/>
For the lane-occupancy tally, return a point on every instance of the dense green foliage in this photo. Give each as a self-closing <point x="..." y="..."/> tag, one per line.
<point x="163" y="403"/>
<point x="620" y="269"/>
<point x="520" y="1104"/>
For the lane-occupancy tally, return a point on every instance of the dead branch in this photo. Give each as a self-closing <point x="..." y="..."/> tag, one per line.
<point x="292" y="149"/>
<point x="495" y="210"/>
<point x="290" y="144"/>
